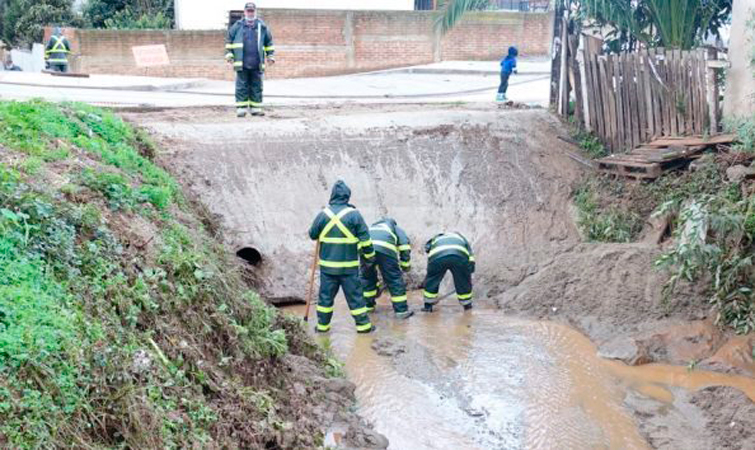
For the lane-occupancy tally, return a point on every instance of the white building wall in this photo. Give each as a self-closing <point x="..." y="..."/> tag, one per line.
<point x="205" y="15"/>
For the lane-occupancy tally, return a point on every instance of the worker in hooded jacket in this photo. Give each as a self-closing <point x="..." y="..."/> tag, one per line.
<point x="449" y="252"/>
<point x="344" y="239"/>
<point x="393" y="250"/>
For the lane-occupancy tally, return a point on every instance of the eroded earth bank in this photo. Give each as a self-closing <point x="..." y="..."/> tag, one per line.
<point x="570" y="344"/>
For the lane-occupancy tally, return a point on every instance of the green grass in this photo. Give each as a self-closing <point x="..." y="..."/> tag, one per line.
<point x="81" y="305"/>
<point x="600" y="223"/>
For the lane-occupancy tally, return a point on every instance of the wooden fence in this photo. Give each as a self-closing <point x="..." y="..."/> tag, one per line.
<point x="632" y="98"/>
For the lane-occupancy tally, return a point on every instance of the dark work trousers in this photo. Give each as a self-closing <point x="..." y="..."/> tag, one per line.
<point x="59" y="68"/>
<point x="352" y="289"/>
<point x="460" y="269"/>
<point x="393" y="278"/>
<point x="504" y="83"/>
<point x="248" y="88"/>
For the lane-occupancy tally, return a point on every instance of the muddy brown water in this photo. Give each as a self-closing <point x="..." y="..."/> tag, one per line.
<point x="481" y="380"/>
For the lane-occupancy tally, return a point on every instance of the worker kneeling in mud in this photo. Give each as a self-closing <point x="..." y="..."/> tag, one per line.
<point x="393" y="250"/>
<point x="449" y="251"/>
<point x="343" y="236"/>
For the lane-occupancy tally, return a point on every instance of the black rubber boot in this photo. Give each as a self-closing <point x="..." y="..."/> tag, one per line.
<point x="404" y="315"/>
<point x="371" y="330"/>
<point x="467" y="307"/>
<point x="427" y="308"/>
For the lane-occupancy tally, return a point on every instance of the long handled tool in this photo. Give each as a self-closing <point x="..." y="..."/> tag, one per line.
<point x="311" y="287"/>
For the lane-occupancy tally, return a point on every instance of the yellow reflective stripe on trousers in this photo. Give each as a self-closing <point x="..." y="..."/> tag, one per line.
<point x="369" y="294"/>
<point x="359" y="311"/>
<point x="404" y="247"/>
<point x="398" y="299"/>
<point x="405" y="264"/>
<point x="370" y="255"/>
<point x="242" y="104"/>
<point x="325" y="309"/>
<point x="364" y="327"/>
<point x="255" y="104"/>
<point x="339" y="264"/>
<point x="269" y="48"/>
<point x="235" y="45"/>
<point x="238" y="63"/>
<point x="464" y="296"/>
<point x="430" y="294"/>
<point x="58" y="60"/>
<point x="441" y="248"/>
<point x="321" y="327"/>
<point x="385" y="245"/>
<point x="335" y="221"/>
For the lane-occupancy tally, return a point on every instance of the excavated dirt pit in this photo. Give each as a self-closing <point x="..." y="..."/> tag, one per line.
<point x="493" y="378"/>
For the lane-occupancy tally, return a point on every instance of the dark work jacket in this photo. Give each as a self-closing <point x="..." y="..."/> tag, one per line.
<point x="234" y="44"/>
<point x="445" y="244"/>
<point x="389" y="239"/>
<point x="57" y="50"/>
<point x="339" y="252"/>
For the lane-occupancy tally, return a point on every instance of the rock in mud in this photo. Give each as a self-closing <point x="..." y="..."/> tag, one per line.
<point x="674" y="343"/>
<point x="387" y="346"/>
<point x="365" y="439"/>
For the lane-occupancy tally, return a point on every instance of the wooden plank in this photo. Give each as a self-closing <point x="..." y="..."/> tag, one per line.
<point x="626" y="86"/>
<point x="694" y="140"/>
<point x="694" y="92"/>
<point x="609" y="102"/>
<point x="681" y="93"/>
<point x="657" y="94"/>
<point x="640" y="91"/>
<point x="674" y="87"/>
<point x="596" y="93"/>
<point x="621" y="143"/>
<point x="667" y="101"/>
<point x="701" y="99"/>
<point x="688" y="115"/>
<point x="635" y="101"/>
<point x="712" y="93"/>
<point x="648" y="96"/>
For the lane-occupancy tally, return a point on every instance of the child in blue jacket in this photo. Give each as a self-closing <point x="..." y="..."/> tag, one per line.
<point x="508" y="66"/>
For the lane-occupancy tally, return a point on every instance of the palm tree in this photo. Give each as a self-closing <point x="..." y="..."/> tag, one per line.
<point x="667" y="23"/>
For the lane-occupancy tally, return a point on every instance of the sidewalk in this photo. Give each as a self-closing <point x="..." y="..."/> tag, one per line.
<point x="451" y="81"/>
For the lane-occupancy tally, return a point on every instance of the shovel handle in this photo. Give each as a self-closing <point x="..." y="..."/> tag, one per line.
<point x="315" y="258"/>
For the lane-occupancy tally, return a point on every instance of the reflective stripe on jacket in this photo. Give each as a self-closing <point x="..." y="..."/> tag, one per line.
<point x="57" y="50"/>
<point x="343" y="237"/>
<point x="445" y="244"/>
<point x="389" y="239"/>
<point x="234" y="44"/>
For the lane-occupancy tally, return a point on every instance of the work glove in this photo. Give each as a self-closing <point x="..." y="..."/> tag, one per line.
<point x="471" y="267"/>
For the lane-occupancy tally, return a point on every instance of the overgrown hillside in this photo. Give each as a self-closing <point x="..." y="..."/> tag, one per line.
<point x="122" y="322"/>
<point x="708" y="211"/>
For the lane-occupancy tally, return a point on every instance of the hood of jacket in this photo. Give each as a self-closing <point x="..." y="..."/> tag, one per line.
<point x="341" y="194"/>
<point x="513" y="52"/>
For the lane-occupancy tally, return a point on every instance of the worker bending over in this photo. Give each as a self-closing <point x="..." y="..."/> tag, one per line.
<point x="449" y="251"/>
<point x="393" y="250"/>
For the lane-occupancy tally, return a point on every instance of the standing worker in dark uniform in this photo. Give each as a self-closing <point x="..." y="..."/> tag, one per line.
<point x="249" y="45"/>
<point x="393" y="250"/>
<point x="344" y="237"/>
<point x="449" y="251"/>
<point x="57" y="50"/>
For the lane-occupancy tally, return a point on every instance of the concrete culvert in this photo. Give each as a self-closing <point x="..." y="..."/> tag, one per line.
<point x="250" y="254"/>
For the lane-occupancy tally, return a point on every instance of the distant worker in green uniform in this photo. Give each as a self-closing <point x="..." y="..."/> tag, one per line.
<point x="393" y="250"/>
<point x="248" y="46"/>
<point x="449" y="252"/>
<point x="57" y="50"/>
<point x="344" y="238"/>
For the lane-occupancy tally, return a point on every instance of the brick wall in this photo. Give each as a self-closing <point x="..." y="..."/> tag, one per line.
<point x="315" y="43"/>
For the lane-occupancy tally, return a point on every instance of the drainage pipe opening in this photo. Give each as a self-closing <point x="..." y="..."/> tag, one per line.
<point x="250" y="254"/>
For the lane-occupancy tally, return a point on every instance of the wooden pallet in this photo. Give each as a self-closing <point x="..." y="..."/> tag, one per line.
<point x="650" y="160"/>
